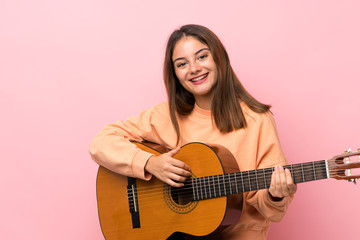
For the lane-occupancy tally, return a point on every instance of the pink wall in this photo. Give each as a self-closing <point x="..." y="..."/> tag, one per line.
<point x="69" y="67"/>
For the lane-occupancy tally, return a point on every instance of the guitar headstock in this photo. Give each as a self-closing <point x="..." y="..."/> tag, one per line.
<point x="342" y="166"/>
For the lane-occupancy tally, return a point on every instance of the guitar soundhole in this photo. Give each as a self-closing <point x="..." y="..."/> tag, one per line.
<point x="180" y="200"/>
<point x="182" y="195"/>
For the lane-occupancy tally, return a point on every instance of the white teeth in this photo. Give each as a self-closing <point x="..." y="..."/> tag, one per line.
<point x="199" y="78"/>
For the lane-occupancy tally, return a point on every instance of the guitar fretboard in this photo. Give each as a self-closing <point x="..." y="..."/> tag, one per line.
<point x="232" y="183"/>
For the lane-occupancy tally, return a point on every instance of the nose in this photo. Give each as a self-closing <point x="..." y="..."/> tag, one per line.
<point x="195" y="67"/>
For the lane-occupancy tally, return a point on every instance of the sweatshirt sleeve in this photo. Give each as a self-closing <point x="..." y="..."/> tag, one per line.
<point x="112" y="148"/>
<point x="269" y="154"/>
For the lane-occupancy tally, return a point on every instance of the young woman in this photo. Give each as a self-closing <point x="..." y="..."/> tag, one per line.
<point x="206" y="103"/>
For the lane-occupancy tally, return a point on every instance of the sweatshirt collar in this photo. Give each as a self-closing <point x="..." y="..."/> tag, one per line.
<point x="202" y="111"/>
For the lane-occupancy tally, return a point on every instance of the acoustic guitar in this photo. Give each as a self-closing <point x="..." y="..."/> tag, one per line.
<point x="135" y="209"/>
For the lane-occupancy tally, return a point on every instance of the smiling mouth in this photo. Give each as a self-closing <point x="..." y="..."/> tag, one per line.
<point x="199" y="78"/>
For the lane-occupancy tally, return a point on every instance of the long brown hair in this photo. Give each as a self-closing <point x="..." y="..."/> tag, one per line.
<point x="226" y="110"/>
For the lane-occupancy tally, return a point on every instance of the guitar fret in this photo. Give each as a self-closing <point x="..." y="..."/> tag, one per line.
<point x="269" y="172"/>
<point x="242" y="182"/>
<point x="261" y="178"/>
<point x="249" y="180"/>
<point x="214" y="187"/>
<point x="325" y="169"/>
<point x="302" y="171"/>
<point x="230" y="183"/>
<point x="205" y="191"/>
<point x="198" y="188"/>
<point x="219" y="185"/>
<point x="196" y="195"/>
<point x="309" y="170"/>
<point x="201" y="188"/>
<point x="193" y="188"/>
<point x="205" y="188"/>
<point x="297" y="170"/>
<point x="265" y="178"/>
<point x="209" y="186"/>
<point x="321" y="169"/>
<point x="236" y="184"/>
<point x="224" y="184"/>
<point x="257" y="183"/>
<point x="205" y="185"/>
<point x="314" y="170"/>
<point x="245" y="182"/>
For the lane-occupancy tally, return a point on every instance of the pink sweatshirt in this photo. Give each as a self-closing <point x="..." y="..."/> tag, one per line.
<point x="256" y="146"/>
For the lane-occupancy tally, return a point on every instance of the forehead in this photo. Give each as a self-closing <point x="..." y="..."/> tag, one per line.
<point x="187" y="46"/>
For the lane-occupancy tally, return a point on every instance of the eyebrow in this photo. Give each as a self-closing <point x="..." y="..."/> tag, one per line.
<point x="196" y="53"/>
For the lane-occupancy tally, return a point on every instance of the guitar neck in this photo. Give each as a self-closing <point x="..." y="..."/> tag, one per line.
<point x="233" y="183"/>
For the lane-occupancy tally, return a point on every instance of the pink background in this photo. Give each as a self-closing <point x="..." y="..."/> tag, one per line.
<point x="69" y="67"/>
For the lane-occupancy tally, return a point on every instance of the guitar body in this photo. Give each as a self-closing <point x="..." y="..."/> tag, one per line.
<point x="162" y="212"/>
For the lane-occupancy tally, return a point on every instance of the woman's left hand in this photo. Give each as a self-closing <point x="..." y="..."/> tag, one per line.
<point x="282" y="184"/>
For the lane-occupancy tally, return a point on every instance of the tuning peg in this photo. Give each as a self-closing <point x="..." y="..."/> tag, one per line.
<point x="347" y="160"/>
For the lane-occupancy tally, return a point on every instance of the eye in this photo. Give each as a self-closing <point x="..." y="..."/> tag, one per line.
<point x="180" y="65"/>
<point x="202" y="56"/>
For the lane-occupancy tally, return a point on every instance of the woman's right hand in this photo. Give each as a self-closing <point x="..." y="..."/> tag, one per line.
<point x="168" y="169"/>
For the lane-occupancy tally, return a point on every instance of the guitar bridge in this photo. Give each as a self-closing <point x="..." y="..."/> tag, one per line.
<point x="133" y="202"/>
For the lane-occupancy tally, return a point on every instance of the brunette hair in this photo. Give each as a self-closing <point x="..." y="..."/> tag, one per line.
<point x="228" y="91"/>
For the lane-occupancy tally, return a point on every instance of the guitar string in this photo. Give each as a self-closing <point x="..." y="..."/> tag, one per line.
<point x="305" y="166"/>
<point x="253" y="175"/>
<point x="145" y="197"/>
<point x="144" y="193"/>
<point x="246" y="177"/>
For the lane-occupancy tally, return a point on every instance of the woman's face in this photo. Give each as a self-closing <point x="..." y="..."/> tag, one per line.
<point x="195" y="68"/>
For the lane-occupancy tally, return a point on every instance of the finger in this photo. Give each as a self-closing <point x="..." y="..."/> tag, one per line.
<point x="181" y="165"/>
<point x="278" y="185"/>
<point x="178" y="163"/>
<point x="184" y="172"/>
<point x="272" y="188"/>
<point x="283" y="180"/>
<point x="174" y="183"/>
<point x="289" y="179"/>
<point x="291" y="186"/>
<point x="177" y="178"/>
<point x="173" y="151"/>
<point x="292" y="189"/>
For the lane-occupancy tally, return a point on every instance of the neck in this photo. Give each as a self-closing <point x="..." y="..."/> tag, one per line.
<point x="204" y="102"/>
